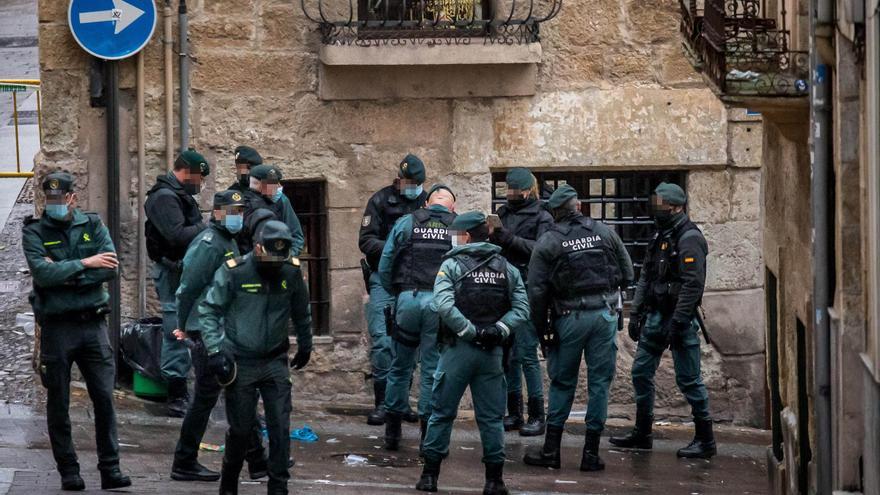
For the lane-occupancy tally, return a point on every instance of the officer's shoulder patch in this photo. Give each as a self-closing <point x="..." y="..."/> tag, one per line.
<point x="208" y="237"/>
<point x="231" y="263"/>
<point x="294" y="261"/>
<point x="30" y="219"/>
<point x="366" y="221"/>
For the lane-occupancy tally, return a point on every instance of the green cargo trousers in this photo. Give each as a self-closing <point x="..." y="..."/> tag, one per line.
<point x="175" y="362"/>
<point x="686" y="359"/>
<point x="418" y="320"/>
<point x="465" y="365"/>
<point x="591" y="335"/>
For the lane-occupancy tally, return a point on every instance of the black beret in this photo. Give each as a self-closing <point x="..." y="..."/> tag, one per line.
<point x="246" y="154"/>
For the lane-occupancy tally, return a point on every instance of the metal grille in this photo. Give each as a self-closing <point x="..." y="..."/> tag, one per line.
<point x="619" y="199"/>
<point x="308" y="199"/>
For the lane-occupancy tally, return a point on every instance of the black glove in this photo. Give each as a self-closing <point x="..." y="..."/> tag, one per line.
<point x="635" y="327"/>
<point x="300" y="359"/>
<point x="489" y="337"/>
<point x="502" y="237"/>
<point x="674" y="332"/>
<point x="221" y="367"/>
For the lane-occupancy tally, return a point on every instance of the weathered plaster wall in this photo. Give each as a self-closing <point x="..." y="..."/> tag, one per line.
<point x="613" y="91"/>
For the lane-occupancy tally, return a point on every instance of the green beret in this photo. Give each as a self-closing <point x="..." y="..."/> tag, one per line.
<point x="275" y="237"/>
<point x="468" y="220"/>
<point x="57" y="183"/>
<point x="228" y="198"/>
<point x="519" y="178"/>
<point x="672" y="194"/>
<point x="266" y="173"/>
<point x="412" y="168"/>
<point x="246" y="154"/>
<point x="194" y="161"/>
<point x="561" y="196"/>
<point x="436" y="187"/>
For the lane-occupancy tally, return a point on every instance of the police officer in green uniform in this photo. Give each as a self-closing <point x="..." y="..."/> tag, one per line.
<point x="243" y="320"/>
<point x="383" y="209"/>
<point x="266" y="193"/>
<point x="480" y="298"/>
<point x="524" y="219"/>
<point x="173" y="221"/>
<point x="409" y="264"/>
<point x="575" y="274"/>
<point x="664" y="314"/>
<point x="210" y="249"/>
<point x="70" y="256"/>
<point x="246" y="158"/>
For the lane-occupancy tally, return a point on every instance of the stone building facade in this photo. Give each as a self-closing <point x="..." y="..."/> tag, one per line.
<point x="606" y="90"/>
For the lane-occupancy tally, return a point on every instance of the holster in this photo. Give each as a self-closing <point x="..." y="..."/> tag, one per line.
<point x="395" y="332"/>
<point x="547" y="336"/>
<point x="366" y="271"/>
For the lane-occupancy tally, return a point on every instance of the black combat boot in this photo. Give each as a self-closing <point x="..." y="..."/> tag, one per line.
<point x="113" y="478"/>
<point x="703" y="444"/>
<point x="228" y="480"/>
<point x="536" y="424"/>
<point x="430" y="473"/>
<point x="178" y="398"/>
<point x="392" y="430"/>
<point x="410" y="416"/>
<point x="192" y="471"/>
<point x="590" y="460"/>
<point x="494" y="480"/>
<point x="514" y="419"/>
<point x="72" y="482"/>
<point x="377" y="415"/>
<point x="423" y="429"/>
<point x="640" y="437"/>
<point x="548" y="456"/>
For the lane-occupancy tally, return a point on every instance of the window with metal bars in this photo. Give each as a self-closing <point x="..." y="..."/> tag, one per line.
<point x="619" y="199"/>
<point x="308" y="198"/>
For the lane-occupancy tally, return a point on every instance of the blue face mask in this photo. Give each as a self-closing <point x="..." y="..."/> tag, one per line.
<point x="278" y="193"/>
<point x="412" y="192"/>
<point x="233" y="223"/>
<point x="56" y="211"/>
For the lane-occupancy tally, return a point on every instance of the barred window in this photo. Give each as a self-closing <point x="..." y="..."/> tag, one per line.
<point x="619" y="199"/>
<point x="309" y="201"/>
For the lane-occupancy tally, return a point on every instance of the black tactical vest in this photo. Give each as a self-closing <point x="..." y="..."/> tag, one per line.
<point x="483" y="295"/>
<point x="587" y="265"/>
<point x="419" y="259"/>
<point x="663" y="269"/>
<point x="157" y="246"/>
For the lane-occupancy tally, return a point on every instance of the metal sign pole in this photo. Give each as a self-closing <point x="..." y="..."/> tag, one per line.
<point x="112" y="73"/>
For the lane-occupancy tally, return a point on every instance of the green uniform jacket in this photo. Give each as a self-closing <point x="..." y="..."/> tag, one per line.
<point x="444" y="292"/>
<point x="204" y="256"/>
<point x="397" y="237"/>
<point x="248" y="314"/>
<point x="54" y="251"/>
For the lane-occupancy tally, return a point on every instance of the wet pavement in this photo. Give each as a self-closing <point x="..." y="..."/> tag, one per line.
<point x="348" y="458"/>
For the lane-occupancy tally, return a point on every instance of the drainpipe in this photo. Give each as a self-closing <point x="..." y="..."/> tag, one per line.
<point x="112" y="118"/>
<point x="821" y="157"/>
<point x="141" y="236"/>
<point x="183" y="26"/>
<point x="168" y="40"/>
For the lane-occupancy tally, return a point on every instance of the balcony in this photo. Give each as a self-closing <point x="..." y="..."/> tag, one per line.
<point x="744" y="52"/>
<point x="385" y="49"/>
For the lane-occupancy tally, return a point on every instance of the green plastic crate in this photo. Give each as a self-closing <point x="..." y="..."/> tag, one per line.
<point x="146" y="387"/>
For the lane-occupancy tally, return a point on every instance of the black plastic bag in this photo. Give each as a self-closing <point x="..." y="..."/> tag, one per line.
<point x="141" y="345"/>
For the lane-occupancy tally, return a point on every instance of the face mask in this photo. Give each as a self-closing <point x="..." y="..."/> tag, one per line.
<point x="412" y="192"/>
<point x="516" y="201"/>
<point x="56" y="211"/>
<point x="454" y="241"/>
<point x="278" y="193"/>
<point x="191" y="189"/>
<point x="244" y="181"/>
<point x="233" y="223"/>
<point x="666" y="218"/>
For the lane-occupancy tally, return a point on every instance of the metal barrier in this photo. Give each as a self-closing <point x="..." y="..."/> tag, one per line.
<point x="16" y="86"/>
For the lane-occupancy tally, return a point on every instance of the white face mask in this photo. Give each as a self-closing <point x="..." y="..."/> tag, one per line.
<point x="454" y="241"/>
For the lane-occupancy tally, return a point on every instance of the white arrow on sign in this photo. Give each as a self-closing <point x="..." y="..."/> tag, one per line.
<point x="123" y="14"/>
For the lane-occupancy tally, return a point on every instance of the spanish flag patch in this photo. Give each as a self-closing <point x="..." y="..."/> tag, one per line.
<point x="689" y="260"/>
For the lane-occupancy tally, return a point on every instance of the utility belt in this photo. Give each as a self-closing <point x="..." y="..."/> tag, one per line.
<point x="596" y="300"/>
<point x="246" y="357"/>
<point x="398" y="334"/>
<point x="82" y="316"/>
<point x="663" y="297"/>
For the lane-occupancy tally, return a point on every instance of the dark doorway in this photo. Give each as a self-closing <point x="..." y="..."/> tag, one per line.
<point x="774" y="398"/>
<point x="803" y="414"/>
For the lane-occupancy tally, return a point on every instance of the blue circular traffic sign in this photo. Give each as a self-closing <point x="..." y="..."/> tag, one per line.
<point x="112" y="29"/>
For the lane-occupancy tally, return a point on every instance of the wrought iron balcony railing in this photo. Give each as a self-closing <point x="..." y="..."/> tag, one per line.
<point x="395" y="22"/>
<point x="742" y="50"/>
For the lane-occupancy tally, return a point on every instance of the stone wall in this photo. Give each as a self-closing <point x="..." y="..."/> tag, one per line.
<point x="614" y="91"/>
